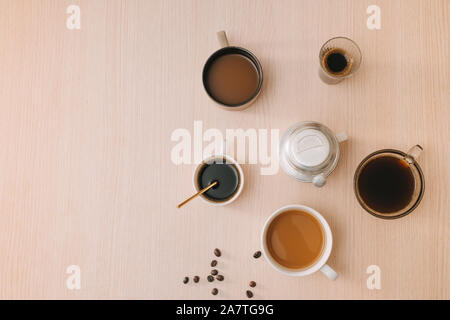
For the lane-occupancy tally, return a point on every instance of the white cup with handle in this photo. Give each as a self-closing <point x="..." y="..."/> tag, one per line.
<point x="320" y="263"/>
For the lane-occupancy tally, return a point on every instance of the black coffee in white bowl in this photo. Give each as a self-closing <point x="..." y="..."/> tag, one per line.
<point x="228" y="175"/>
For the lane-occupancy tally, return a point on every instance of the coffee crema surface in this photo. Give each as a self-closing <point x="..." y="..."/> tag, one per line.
<point x="232" y="79"/>
<point x="226" y="175"/>
<point x="336" y="62"/>
<point x="295" y="239"/>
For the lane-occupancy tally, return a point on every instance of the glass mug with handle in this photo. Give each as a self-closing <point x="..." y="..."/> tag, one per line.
<point x="296" y="240"/>
<point x="389" y="183"/>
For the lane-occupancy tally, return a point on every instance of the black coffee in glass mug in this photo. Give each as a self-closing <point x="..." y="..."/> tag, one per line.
<point x="389" y="183"/>
<point x="386" y="184"/>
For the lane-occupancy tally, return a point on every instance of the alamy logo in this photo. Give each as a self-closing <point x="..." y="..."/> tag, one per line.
<point x="73" y="282"/>
<point x="374" y="20"/>
<point x="190" y="147"/>
<point x="73" y="22"/>
<point x="374" y="280"/>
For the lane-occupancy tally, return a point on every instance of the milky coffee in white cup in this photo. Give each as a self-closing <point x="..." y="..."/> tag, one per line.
<point x="297" y="241"/>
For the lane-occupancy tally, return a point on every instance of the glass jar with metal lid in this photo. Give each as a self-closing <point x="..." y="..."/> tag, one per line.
<point x="309" y="152"/>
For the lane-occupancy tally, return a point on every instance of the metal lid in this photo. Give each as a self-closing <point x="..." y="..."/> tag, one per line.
<point x="309" y="151"/>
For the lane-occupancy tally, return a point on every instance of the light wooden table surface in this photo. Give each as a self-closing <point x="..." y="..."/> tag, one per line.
<point x="86" y="118"/>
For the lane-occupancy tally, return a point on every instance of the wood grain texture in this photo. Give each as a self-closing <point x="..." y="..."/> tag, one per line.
<point x="86" y="118"/>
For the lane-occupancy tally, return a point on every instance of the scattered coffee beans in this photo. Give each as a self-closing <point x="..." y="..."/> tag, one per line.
<point x="249" y="294"/>
<point x="257" y="254"/>
<point x="252" y="284"/>
<point x="214" y="275"/>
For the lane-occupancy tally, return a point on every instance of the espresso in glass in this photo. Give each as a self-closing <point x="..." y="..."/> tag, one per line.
<point x="339" y="58"/>
<point x="337" y="62"/>
<point x="295" y="239"/>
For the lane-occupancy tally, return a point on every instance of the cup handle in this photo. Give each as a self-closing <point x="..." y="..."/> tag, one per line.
<point x="319" y="180"/>
<point x="413" y="154"/>
<point x="341" y="137"/>
<point x="329" y="272"/>
<point x="222" y="38"/>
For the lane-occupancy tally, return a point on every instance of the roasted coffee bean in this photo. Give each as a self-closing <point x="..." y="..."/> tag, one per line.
<point x="249" y="294"/>
<point x="214" y="272"/>
<point x="252" y="284"/>
<point x="213" y="263"/>
<point x="210" y="278"/>
<point x="217" y="252"/>
<point x="220" y="277"/>
<point x="257" y="254"/>
<point x="196" y="279"/>
<point x="185" y="280"/>
<point x="214" y="291"/>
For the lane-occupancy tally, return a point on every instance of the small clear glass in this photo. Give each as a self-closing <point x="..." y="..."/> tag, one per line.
<point x="333" y="68"/>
